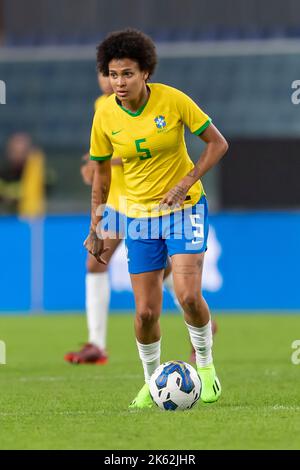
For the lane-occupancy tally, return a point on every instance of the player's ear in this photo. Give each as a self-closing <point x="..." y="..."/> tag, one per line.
<point x="146" y="76"/>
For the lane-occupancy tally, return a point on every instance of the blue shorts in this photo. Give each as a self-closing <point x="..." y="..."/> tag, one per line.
<point x="149" y="241"/>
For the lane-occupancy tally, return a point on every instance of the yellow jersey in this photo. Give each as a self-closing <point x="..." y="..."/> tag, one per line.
<point x="117" y="186"/>
<point x="151" y="144"/>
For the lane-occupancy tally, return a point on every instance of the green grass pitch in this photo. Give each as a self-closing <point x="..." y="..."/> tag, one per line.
<point x="48" y="404"/>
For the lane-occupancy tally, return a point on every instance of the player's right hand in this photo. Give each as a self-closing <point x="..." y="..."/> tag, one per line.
<point x="95" y="246"/>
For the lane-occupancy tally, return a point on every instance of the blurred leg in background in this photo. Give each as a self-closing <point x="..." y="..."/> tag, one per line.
<point x="97" y="304"/>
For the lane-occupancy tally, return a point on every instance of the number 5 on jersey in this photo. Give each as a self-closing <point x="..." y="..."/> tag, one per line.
<point x="146" y="152"/>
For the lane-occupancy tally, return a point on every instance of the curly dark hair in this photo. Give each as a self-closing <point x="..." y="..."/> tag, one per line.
<point x="127" y="44"/>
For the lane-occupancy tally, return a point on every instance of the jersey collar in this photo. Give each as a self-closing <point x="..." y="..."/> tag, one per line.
<point x="140" y="110"/>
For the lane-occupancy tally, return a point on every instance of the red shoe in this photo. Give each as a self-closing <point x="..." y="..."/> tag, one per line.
<point x="88" y="354"/>
<point x="214" y="329"/>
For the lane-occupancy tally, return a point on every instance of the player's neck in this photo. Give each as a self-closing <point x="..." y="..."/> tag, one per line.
<point x="138" y="103"/>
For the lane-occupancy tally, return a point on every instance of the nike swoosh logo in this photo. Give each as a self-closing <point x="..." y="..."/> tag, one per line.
<point x="116" y="132"/>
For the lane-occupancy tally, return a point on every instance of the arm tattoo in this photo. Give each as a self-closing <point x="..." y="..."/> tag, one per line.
<point x="103" y="196"/>
<point x="178" y="191"/>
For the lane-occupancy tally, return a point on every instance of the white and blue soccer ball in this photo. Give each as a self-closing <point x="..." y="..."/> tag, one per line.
<point x="175" y="385"/>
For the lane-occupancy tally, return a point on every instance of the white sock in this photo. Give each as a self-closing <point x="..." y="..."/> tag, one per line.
<point x="169" y="284"/>
<point x="201" y="339"/>
<point x="97" y="302"/>
<point x="150" y="357"/>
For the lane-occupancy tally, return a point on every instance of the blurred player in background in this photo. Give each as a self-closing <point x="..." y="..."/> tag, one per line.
<point x="97" y="278"/>
<point x="23" y="178"/>
<point x="145" y="124"/>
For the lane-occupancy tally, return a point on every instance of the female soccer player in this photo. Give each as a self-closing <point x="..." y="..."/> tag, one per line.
<point x="166" y="204"/>
<point x="97" y="278"/>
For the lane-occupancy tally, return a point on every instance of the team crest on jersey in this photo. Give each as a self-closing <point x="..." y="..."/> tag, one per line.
<point x="160" y="122"/>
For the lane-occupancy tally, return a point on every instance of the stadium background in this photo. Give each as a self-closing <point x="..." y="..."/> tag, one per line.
<point x="239" y="68"/>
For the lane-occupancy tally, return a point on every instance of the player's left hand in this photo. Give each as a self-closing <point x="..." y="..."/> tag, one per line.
<point x="95" y="246"/>
<point x="174" y="199"/>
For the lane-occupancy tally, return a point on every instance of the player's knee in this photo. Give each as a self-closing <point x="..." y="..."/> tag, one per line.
<point x="146" y="316"/>
<point x="93" y="266"/>
<point x="189" y="301"/>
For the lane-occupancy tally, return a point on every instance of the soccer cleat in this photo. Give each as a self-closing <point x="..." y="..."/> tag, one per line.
<point x="214" y="329"/>
<point x="143" y="399"/>
<point x="88" y="354"/>
<point x="211" y="387"/>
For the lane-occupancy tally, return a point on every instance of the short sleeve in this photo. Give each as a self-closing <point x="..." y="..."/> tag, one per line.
<point x="192" y="116"/>
<point x="101" y="147"/>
